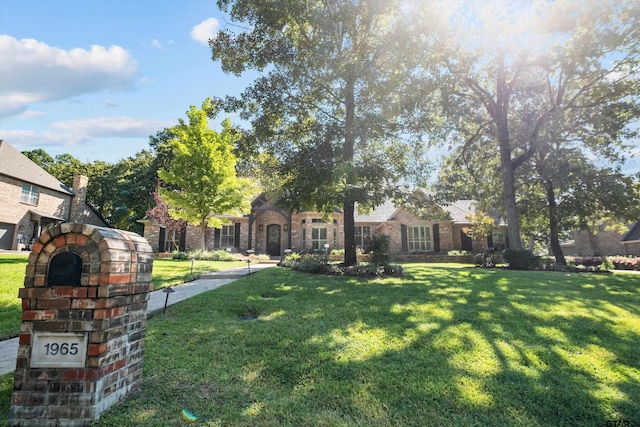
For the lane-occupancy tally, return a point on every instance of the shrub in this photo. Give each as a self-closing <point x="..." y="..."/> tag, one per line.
<point x="180" y="255"/>
<point x="519" y="259"/>
<point x="487" y="259"/>
<point x="379" y="248"/>
<point x="625" y="263"/>
<point x="457" y="253"/>
<point x="607" y="264"/>
<point x="316" y="264"/>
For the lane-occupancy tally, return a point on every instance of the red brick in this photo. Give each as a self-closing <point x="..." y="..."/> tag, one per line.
<point x="96" y="349"/>
<point x="44" y="303"/>
<point x="82" y="240"/>
<point x="106" y="313"/>
<point x="37" y="247"/>
<point x="38" y="315"/>
<point x="60" y="241"/>
<point x="70" y="292"/>
<point x="25" y="339"/>
<point x="71" y="239"/>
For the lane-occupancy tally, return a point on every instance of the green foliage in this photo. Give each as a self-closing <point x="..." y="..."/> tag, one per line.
<point x="519" y="259"/>
<point x="488" y="259"/>
<point x="536" y="105"/>
<point x="200" y="183"/>
<point x="457" y="253"/>
<point x="482" y="225"/>
<point x="379" y="248"/>
<point x="329" y="125"/>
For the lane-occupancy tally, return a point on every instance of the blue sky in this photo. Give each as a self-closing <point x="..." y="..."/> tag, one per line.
<point x="95" y="78"/>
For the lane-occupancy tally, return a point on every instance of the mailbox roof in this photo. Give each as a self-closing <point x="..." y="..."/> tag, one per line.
<point x="16" y="165"/>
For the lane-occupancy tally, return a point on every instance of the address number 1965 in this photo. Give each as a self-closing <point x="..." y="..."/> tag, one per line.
<point x="58" y="350"/>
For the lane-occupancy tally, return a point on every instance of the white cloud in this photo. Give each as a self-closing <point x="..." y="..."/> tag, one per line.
<point x="155" y="43"/>
<point x="30" y="114"/>
<point x="110" y="104"/>
<point x="28" y="138"/>
<point x="32" y="71"/>
<point x="205" y="30"/>
<point x="81" y="132"/>
<point x="111" y="127"/>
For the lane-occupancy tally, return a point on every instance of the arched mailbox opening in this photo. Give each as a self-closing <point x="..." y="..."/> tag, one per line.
<point x="65" y="269"/>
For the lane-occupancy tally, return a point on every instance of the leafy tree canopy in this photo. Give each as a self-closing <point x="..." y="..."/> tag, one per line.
<point x="200" y="185"/>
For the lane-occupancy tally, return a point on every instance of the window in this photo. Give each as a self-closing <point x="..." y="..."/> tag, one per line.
<point x="363" y="235"/>
<point x="172" y="240"/>
<point x="419" y="239"/>
<point x="318" y="238"/>
<point x="304" y="237"/>
<point x="499" y="242"/>
<point x="227" y="236"/>
<point x="30" y="194"/>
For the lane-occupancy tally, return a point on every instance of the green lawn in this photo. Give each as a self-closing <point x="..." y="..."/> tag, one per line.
<point x="439" y="347"/>
<point x="166" y="272"/>
<point x="442" y="346"/>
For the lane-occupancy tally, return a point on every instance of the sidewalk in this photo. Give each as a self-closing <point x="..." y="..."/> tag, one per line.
<point x="207" y="282"/>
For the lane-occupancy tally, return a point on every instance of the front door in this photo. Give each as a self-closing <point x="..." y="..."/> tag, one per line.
<point x="273" y="240"/>
<point x="466" y="242"/>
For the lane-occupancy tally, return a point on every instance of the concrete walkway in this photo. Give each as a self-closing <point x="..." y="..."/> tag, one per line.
<point x="207" y="282"/>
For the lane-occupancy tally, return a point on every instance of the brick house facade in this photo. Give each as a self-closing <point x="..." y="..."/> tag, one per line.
<point x="602" y="241"/>
<point x="272" y="230"/>
<point x="32" y="200"/>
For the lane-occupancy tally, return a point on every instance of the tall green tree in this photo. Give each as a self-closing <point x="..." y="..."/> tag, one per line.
<point x="511" y="81"/>
<point x="326" y="114"/>
<point x="200" y="184"/>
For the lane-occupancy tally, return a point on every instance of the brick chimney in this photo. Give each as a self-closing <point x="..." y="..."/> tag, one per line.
<point x="79" y="201"/>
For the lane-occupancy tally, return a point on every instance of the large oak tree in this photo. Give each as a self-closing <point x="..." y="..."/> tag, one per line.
<point x="326" y="114"/>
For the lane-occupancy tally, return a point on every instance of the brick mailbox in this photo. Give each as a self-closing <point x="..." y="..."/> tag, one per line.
<point x="84" y="310"/>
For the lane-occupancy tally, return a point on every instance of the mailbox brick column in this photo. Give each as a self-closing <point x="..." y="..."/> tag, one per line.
<point x="98" y="325"/>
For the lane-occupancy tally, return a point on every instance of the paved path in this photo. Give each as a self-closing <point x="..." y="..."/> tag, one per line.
<point x="207" y="282"/>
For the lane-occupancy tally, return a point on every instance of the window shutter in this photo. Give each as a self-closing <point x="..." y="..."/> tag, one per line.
<point x="236" y="236"/>
<point x="405" y="240"/>
<point x="216" y="238"/>
<point x="506" y="240"/>
<point x="436" y="237"/>
<point x="489" y="241"/>
<point x="161" y="238"/>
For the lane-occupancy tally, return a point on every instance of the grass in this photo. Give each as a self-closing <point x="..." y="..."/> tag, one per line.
<point x="12" y="269"/>
<point x="166" y="272"/>
<point x="441" y="346"/>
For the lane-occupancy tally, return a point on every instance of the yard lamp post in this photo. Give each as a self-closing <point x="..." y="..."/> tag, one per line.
<point x="167" y="291"/>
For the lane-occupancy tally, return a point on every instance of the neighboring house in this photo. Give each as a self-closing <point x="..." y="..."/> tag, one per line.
<point x="631" y="240"/>
<point x="272" y="230"/>
<point x="31" y="200"/>
<point x="602" y="241"/>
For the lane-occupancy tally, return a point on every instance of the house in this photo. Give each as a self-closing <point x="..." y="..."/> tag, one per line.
<point x="31" y="200"/>
<point x="604" y="241"/>
<point x="271" y="230"/>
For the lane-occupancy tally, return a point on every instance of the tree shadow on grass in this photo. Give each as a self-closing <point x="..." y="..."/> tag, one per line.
<point x="435" y="348"/>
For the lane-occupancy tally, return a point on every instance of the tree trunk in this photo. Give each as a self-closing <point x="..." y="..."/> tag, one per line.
<point x="556" y="249"/>
<point x="349" y="202"/>
<point x="500" y="116"/>
<point x="203" y="231"/>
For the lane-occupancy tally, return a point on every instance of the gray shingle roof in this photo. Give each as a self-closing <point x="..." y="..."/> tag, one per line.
<point x="633" y="234"/>
<point x="16" y="165"/>
<point x="381" y="213"/>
